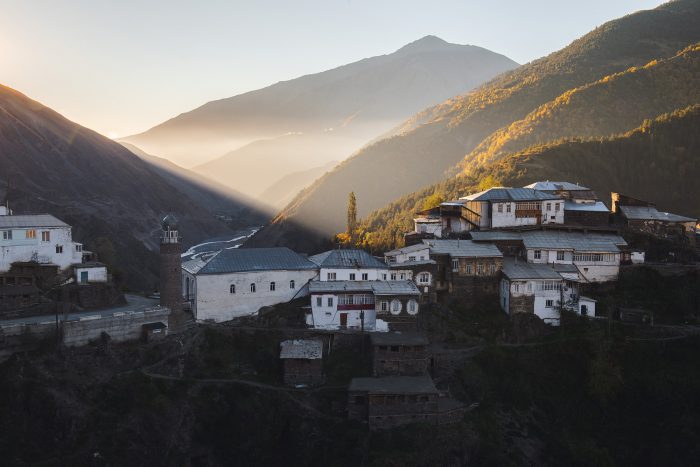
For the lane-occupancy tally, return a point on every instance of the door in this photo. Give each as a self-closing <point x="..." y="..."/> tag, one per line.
<point x="343" y="319"/>
<point x="83" y="276"/>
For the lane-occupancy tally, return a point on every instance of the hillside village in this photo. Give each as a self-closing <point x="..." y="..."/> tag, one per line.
<point x="545" y="250"/>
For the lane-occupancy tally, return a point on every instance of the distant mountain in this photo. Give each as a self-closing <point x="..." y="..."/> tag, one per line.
<point x="113" y="199"/>
<point x="337" y="110"/>
<point x="430" y="144"/>
<point x="280" y="193"/>
<point x="659" y="162"/>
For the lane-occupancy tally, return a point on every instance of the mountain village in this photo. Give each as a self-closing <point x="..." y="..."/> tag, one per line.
<point x="544" y="250"/>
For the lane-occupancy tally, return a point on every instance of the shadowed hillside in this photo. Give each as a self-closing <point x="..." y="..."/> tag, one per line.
<point x="432" y="142"/>
<point x="113" y="199"/>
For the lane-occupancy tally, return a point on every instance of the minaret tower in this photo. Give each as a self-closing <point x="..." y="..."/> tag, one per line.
<point x="171" y="273"/>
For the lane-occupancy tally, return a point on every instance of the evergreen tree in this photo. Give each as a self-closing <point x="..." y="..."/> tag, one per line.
<point x="352" y="213"/>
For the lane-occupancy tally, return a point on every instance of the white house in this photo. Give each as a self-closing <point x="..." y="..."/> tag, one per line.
<point x="357" y="304"/>
<point x="514" y="207"/>
<point x="37" y="237"/>
<point x="539" y="289"/>
<point x="87" y="273"/>
<point x="239" y="281"/>
<point x="349" y="265"/>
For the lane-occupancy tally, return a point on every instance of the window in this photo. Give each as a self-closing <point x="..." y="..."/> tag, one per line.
<point x="393" y="276"/>
<point x="384" y="305"/>
<point x="423" y="278"/>
<point x="78" y="247"/>
<point x="556" y="206"/>
<point x="403" y="276"/>
<point x="538" y="254"/>
<point x="594" y="257"/>
<point x="365" y="276"/>
<point x="411" y="258"/>
<point x="549" y="206"/>
<point x="479" y="269"/>
<point x="560" y="256"/>
<point x="331" y="276"/>
<point x="469" y="268"/>
<point x="252" y="288"/>
<point x="383" y="277"/>
<point x="508" y="207"/>
<point x="395" y="307"/>
<point x="352" y="276"/>
<point x="272" y="286"/>
<point x="412" y="307"/>
<point x="292" y="284"/>
<point x="455" y="265"/>
<point x="516" y="287"/>
<point x="330" y="301"/>
<point x="492" y="268"/>
<point x="549" y="303"/>
<point x="394" y="348"/>
<point x="45" y="236"/>
<point x="31" y="234"/>
<point x="529" y="286"/>
<point x="319" y="301"/>
<point x="232" y="288"/>
<point x="500" y="207"/>
<point x="422" y="258"/>
<point x="7" y="235"/>
<point x="550" y="285"/>
<point x="59" y="249"/>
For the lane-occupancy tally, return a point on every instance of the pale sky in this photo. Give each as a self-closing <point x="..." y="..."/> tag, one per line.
<point x="120" y="67"/>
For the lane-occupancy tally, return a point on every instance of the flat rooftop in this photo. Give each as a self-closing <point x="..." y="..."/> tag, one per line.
<point x="394" y="385"/>
<point x="398" y="338"/>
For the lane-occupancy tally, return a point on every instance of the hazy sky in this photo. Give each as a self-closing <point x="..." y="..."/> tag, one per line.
<point x="120" y="67"/>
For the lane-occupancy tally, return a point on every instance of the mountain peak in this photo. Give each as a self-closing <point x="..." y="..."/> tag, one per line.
<point x="425" y="44"/>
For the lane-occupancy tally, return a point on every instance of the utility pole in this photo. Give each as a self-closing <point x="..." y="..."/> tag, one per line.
<point x="362" y="329"/>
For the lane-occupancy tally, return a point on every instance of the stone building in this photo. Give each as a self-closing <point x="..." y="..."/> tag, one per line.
<point x="399" y="354"/>
<point x="413" y="262"/>
<point x="581" y="205"/>
<point x="302" y="361"/>
<point x="642" y="216"/>
<point x="171" y="273"/>
<point x="393" y="400"/>
<point x="465" y="269"/>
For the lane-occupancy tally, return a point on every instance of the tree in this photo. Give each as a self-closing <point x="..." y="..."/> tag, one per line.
<point x="352" y="213"/>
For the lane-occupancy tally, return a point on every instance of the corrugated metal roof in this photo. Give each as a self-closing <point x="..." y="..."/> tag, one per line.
<point x="649" y="213"/>
<point x="406" y="249"/>
<point x="250" y="259"/>
<point x="409" y="264"/>
<point x="519" y="270"/>
<point x="494" y="235"/>
<point x="347" y="259"/>
<point x="30" y="220"/>
<point x="510" y="194"/>
<point x="398" y="338"/>
<point x="394" y="385"/>
<point x="375" y="287"/>
<point x="556" y="186"/>
<point x="598" y="206"/>
<point x="463" y="249"/>
<point x="307" y="349"/>
<point x="576" y="241"/>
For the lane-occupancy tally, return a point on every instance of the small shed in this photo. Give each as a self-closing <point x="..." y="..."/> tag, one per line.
<point x="399" y="354"/>
<point x="153" y="331"/>
<point x="90" y="272"/>
<point x="302" y="362"/>
<point x="586" y="306"/>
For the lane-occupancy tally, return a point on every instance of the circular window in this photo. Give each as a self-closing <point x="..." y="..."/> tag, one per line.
<point x="412" y="307"/>
<point x="395" y="307"/>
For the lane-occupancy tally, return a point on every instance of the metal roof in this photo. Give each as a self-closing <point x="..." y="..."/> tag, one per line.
<point x="510" y="194"/>
<point x="648" y="213"/>
<point x="520" y="270"/>
<point x="250" y="259"/>
<point x="307" y="349"/>
<point x="463" y="249"/>
<point x="407" y="249"/>
<point x="30" y="220"/>
<point x="494" y="235"/>
<point x="347" y="259"/>
<point x="556" y="186"/>
<point x="375" y="287"/>
<point x="394" y="385"/>
<point x="598" y="206"/>
<point x="409" y="264"/>
<point x="576" y="241"/>
<point x="398" y="338"/>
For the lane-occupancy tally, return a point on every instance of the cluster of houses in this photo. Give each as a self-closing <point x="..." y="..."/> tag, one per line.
<point x="534" y="249"/>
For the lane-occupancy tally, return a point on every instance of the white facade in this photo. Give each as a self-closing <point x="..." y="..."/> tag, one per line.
<point x="222" y="297"/>
<point x="90" y="274"/>
<point x="517" y="214"/>
<point x="548" y="296"/>
<point x="354" y="274"/>
<point x="325" y="313"/>
<point x="430" y="226"/>
<point x="40" y="238"/>
<point x="420" y="252"/>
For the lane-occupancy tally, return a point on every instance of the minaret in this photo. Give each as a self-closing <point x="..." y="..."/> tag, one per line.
<point x="171" y="273"/>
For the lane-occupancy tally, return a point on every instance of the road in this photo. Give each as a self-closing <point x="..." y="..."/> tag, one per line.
<point x="134" y="303"/>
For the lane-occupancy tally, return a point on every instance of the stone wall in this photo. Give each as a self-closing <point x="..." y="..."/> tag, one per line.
<point x="588" y="218"/>
<point x="521" y="304"/>
<point x="120" y="327"/>
<point x="303" y="371"/>
<point x="399" y="360"/>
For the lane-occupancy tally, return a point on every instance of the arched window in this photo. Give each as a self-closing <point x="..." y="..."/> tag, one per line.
<point x="292" y="284"/>
<point x="232" y="288"/>
<point x="272" y="286"/>
<point x="424" y="278"/>
<point x="252" y="288"/>
<point x="395" y="307"/>
<point x="412" y="307"/>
